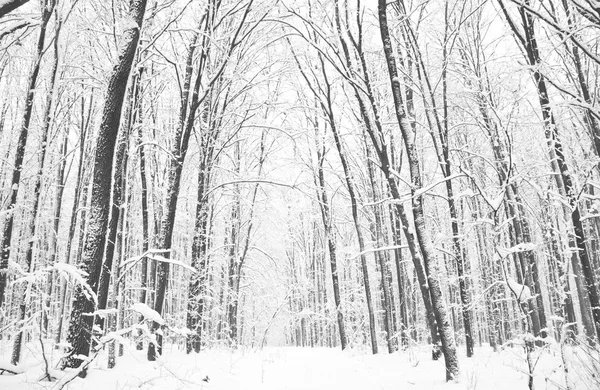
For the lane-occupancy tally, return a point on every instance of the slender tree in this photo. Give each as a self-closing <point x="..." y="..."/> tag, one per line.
<point x="47" y="8"/>
<point x="425" y="244"/>
<point x="37" y="186"/>
<point x="190" y="102"/>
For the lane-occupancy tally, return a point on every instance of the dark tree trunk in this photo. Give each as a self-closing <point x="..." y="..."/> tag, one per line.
<point x="144" y="212"/>
<point x="7" y="6"/>
<point x="20" y="154"/>
<point x="80" y="328"/>
<point x="58" y="201"/>
<point x="400" y="276"/>
<point x="329" y="236"/>
<point x="376" y="135"/>
<point x="187" y="117"/>
<point x="80" y="188"/>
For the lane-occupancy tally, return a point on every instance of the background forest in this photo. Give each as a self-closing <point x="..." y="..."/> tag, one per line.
<point x="369" y="175"/>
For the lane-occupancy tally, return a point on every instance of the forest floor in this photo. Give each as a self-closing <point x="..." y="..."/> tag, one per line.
<point x="302" y="368"/>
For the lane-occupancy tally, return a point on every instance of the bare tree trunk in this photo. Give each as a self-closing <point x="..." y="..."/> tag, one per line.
<point x="326" y="104"/>
<point x="118" y="193"/>
<point x="25" y="288"/>
<point x="145" y="224"/>
<point x="80" y="189"/>
<point x="80" y="328"/>
<point x="374" y="129"/>
<point x="7" y="6"/>
<point x="425" y="244"/>
<point x="20" y="154"/>
<point x="58" y="201"/>
<point x="187" y="116"/>
<point x="361" y="241"/>
<point x="563" y="178"/>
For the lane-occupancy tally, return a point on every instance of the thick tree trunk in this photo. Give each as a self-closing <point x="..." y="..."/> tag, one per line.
<point x="118" y="194"/>
<point x="80" y="328"/>
<point x="80" y="188"/>
<point x="197" y="288"/>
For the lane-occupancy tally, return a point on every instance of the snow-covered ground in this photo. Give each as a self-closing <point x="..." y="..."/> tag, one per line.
<point x="302" y="368"/>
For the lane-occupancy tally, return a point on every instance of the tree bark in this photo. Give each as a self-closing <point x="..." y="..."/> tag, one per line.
<point x="80" y="328"/>
<point x="7" y="6"/>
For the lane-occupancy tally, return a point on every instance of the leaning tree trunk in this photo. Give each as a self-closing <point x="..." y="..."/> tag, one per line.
<point x="80" y="327"/>
<point x="7" y="6"/>
<point x="424" y="240"/>
<point x="118" y="198"/>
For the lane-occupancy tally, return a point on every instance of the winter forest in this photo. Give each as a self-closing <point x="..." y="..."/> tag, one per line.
<point x="299" y="194"/>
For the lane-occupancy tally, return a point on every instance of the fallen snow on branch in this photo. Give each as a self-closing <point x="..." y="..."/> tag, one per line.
<point x="171" y="261"/>
<point x="78" y="276"/>
<point x="145" y="254"/>
<point x="148" y="313"/>
<point x="523" y="247"/>
<point x="102" y="312"/>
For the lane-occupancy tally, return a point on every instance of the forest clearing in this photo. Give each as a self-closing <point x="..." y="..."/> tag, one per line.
<point x="309" y="194"/>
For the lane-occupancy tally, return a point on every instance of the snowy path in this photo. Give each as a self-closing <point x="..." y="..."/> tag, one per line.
<point x="301" y="368"/>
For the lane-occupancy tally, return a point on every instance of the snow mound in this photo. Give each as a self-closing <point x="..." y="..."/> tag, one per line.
<point x="10" y="368"/>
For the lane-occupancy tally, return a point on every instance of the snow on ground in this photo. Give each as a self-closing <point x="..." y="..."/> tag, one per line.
<point x="297" y="368"/>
